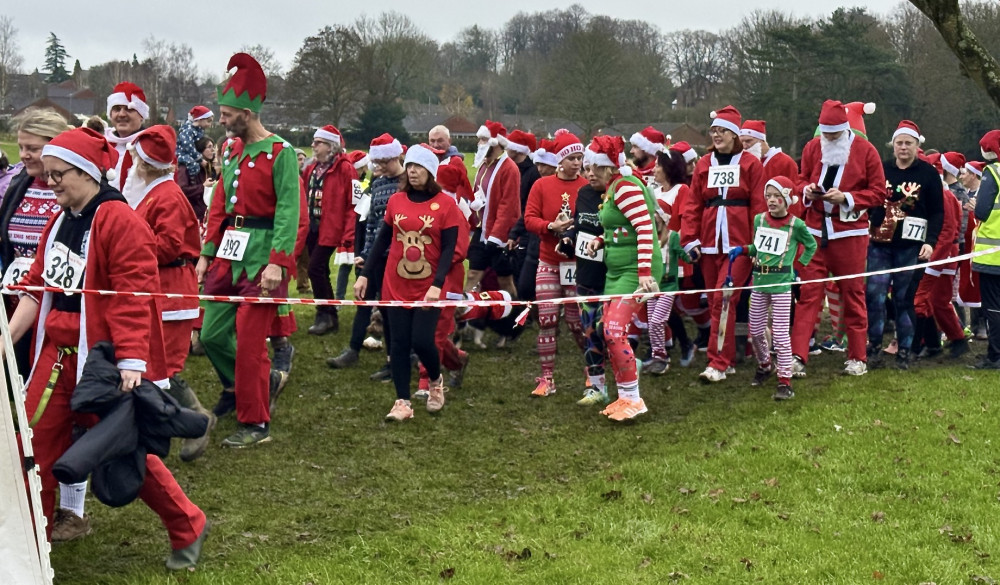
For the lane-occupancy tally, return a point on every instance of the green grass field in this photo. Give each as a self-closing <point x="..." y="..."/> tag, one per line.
<point x="890" y="477"/>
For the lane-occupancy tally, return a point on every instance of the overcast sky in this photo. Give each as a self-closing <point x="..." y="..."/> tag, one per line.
<point x="97" y="32"/>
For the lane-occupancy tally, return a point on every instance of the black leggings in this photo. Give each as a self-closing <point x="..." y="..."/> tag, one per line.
<point x="412" y="329"/>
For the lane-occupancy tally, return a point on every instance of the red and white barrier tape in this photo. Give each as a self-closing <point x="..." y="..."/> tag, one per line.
<point x="484" y="303"/>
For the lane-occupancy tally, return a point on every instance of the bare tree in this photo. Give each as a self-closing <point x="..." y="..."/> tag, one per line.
<point x="10" y="56"/>
<point x="698" y="62"/>
<point x="265" y="56"/>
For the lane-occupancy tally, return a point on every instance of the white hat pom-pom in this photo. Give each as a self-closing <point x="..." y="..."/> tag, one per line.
<point x="111" y="175"/>
<point x="869" y="108"/>
<point x="712" y="114"/>
<point x="626" y="171"/>
<point x="668" y="137"/>
<point x="922" y="139"/>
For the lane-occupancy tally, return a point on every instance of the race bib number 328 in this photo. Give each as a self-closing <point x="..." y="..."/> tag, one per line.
<point x="63" y="268"/>
<point x="723" y="176"/>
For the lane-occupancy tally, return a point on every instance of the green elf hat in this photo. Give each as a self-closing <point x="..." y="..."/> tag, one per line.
<point x="247" y="88"/>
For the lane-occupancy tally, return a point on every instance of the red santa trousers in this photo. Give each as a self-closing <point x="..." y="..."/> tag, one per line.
<point x="933" y="299"/>
<point x="714" y="267"/>
<point x="53" y="435"/>
<point x="177" y="343"/>
<point x="841" y="257"/>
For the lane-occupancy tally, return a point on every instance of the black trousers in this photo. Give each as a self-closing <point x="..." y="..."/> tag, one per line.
<point x="412" y="330"/>
<point x="319" y="270"/>
<point x="989" y="289"/>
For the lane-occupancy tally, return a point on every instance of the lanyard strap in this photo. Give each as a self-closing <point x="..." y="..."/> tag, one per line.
<point x="57" y="369"/>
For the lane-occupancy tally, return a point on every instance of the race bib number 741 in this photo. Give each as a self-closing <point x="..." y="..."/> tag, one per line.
<point x="770" y="241"/>
<point x="723" y="176"/>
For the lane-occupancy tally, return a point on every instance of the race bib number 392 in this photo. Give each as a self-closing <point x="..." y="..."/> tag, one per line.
<point x="63" y="268"/>
<point x="723" y="176"/>
<point x="233" y="245"/>
<point x="770" y="241"/>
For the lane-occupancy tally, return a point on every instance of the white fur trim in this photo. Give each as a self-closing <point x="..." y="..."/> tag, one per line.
<point x="119" y="99"/>
<point x="602" y="160"/>
<point x="362" y="163"/>
<point x="385" y="151"/>
<point x="150" y="160"/>
<point x="836" y="128"/>
<point x="645" y="144"/>
<point x="726" y="124"/>
<point x="908" y="132"/>
<point x="575" y="148"/>
<point x="753" y="134"/>
<point x="785" y="192"/>
<point x="518" y="148"/>
<point x="988" y="155"/>
<point x="500" y="141"/>
<point x="544" y="157"/>
<point x="322" y="134"/>
<point x="74" y="159"/>
<point x="690" y="155"/>
<point x="948" y="167"/>
<point x="483" y="132"/>
<point x="973" y="170"/>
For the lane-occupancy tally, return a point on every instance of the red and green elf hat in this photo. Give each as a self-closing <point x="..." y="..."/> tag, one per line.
<point x="247" y="88"/>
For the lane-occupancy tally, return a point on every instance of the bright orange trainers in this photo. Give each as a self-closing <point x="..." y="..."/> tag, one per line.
<point x="629" y="410"/>
<point x="435" y="398"/>
<point x="400" y="411"/>
<point x="546" y="387"/>
<point x="615" y="406"/>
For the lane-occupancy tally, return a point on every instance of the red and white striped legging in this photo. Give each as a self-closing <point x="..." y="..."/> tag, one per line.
<point x="657" y="324"/>
<point x="780" y="305"/>
<point x="547" y="287"/>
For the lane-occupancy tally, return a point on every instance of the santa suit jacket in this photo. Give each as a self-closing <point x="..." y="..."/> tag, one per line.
<point x="862" y="180"/>
<point x="710" y="219"/>
<point x="124" y="164"/>
<point x="948" y="237"/>
<point x="336" y="223"/>
<point x="503" y="202"/>
<point x="178" y="241"/>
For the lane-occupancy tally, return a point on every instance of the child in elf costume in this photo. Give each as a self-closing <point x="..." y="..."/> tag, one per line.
<point x="776" y="238"/>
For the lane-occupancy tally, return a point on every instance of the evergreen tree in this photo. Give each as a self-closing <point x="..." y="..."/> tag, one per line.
<point x="55" y="60"/>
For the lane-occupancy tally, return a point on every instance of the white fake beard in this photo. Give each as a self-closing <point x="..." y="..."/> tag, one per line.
<point x="757" y="150"/>
<point x="835" y="152"/>
<point x="481" y="153"/>
<point x="134" y="189"/>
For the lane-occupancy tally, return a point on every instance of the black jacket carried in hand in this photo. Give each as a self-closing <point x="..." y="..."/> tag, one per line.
<point x="133" y="424"/>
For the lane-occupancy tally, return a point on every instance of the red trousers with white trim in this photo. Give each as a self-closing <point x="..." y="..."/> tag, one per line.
<point x="933" y="299"/>
<point x="714" y="267"/>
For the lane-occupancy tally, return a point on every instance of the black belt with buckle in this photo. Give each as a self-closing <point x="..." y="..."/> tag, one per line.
<point x="772" y="269"/>
<point x="178" y="263"/>
<point x="254" y="223"/>
<point x="718" y="201"/>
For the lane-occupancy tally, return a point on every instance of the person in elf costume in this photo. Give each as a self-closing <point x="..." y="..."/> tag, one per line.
<point x="776" y="239"/>
<point x="629" y="233"/>
<point x="249" y="250"/>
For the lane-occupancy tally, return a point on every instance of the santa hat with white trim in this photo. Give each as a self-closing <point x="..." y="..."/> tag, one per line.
<point x="609" y="151"/>
<point x="951" y="162"/>
<point x="156" y="146"/>
<point x="494" y="132"/>
<point x="650" y="140"/>
<point x="989" y="144"/>
<point x="131" y="96"/>
<point x="384" y="147"/>
<point x="522" y="142"/>
<point x="856" y="116"/>
<point x="785" y="186"/>
<point x="754" y="129"/>
<point x="86" y="150"/>
<point x="685" y="150"/>
<point x="358" y="158"/>
<point x="329" y="134"/>
<point x="975" y="167"/>
<point x="200" y="113"/>
<point x="833" y="117"/>
<point x="423" y="155"/>
<point x="728" y="118"/>
<point x="566" y="143"/>
<point x="546" y="155"/>
<point x="908" y="128"/>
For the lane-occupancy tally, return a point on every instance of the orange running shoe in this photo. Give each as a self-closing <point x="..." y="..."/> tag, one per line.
<point x="400" y="411"/>
<point x="629" y="410"/>
<point x="615" y="406"/>
<point x="546" y="387"/>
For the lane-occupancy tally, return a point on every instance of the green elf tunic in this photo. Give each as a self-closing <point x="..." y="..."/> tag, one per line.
<point x="628" y="245"/>
<point x="775" y="243"/>
<point x="673" y="253"/>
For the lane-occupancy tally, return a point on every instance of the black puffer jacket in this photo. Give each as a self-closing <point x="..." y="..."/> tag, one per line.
<point x="133" y="424"/>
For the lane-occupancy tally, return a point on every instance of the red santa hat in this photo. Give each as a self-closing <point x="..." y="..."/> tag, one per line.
<point x="200" y="113"/>
<point x="449" y="177"/>
<point x="86" y="150"/>
<point x="566" y="143"/>
<point x="330" y="134"/>
<point x="728" y="118"/>
<point x="754" y="129"/>
<point x="685" y="150"/>
<point x="856" y="116"/>
<point x="932" y="159"/>
<point x="358" y="158"/>
<point x="989" y="144"/>
<point x="494" y="132"/>
<point x="908" y="128"/>
<point x="609" y="151"/>
<point x="131" y="96"/>
<point x="384" y="147"/>
<point x="650" y="140"/>
<point x="975" y="167"/>
<point x="522" y="142"/>
<point x="156" y="146"/>
<point x="546" y="155"/>
<point x="952" y="161"/>
<point x="423" y="155"/>
<point x="785" y="186"/>
<point x="833" y="117"/>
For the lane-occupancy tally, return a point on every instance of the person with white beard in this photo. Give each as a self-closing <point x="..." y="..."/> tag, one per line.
<point x="841" y="178"/>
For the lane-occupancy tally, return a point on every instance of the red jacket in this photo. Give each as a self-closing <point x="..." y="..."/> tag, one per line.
<point x="719" y="228"/>
<point x="862" y="181"/>
<point x="947" y="242"/>
<point x="336" y="224"/>
<point x="778" y="164"/>
<point x="503" y="199"/>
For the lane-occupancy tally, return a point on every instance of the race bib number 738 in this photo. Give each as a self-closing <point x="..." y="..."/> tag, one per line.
<point x="723" y="176"/>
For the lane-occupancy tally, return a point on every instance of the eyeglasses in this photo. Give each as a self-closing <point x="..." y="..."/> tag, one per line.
<point x="716" y="131"/>
<point x="57" y="176"/>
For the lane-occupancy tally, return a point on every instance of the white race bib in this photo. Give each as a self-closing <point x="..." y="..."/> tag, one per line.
<point x="723" y="176"/>
<point x="665" y="254"/>
<point x="770" y="241"/>
<point x="914" y="228"/>
<point x="63" y="269"/>
<point x="17" y="269"/>
<point x="567" y="273"/>
<point x="852" y="215"/>
<point x="357" y="190"/>
<point x="364" y="206"/>
<point x="582" y="241"/>
<point x="233" y="246"/>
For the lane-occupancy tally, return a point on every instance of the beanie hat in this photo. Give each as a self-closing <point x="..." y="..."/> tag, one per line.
<point x="566" y="143"/>
<point x="856" y="116"/>
<point x="522" y="142"/>
<point x="754" y="129"/>
<point x="86" y="150"/>
<point x="650" y="140"/>
<point x="546" y="155"/>
<point x="200" y="113"/>
<point x="358" y="158"/>
<point x="156" y="146"/>
<point x="910" y="129"/>
<point x="247" y="88"/>
<point x="609" y="151"/>
<point x="728" y="118"/>
<point x="422" y="155"/>
<point x="785" y="186"/>
<point x="833" y="117"/>
<point x="329" y="134"/>
<point x="384" y="147"/>
<point x="685" y="149"/>
<point x="494" y="132"/>
<point x="952" y="161"/>
<point x="975" y="167"/>
<point x="989" y="144"/>
<point x="131" y="96"/>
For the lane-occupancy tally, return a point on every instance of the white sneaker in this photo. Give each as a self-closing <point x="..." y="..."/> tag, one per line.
<point x="798" y="368"/>
<point x="372" y="343"/>
<point x="730" y="370"/>
<point x="855" y="368"/>
<point x="711" y="375"/>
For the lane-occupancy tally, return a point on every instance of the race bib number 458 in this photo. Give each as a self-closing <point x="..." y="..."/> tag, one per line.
<point x="723" y="176"/>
